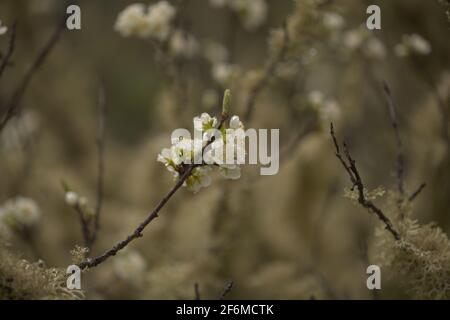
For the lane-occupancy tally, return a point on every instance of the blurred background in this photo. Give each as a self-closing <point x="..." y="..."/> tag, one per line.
<point x="289" y="236"/>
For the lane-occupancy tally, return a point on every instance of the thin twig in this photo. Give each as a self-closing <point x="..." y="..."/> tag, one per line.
<point x="400" y="155"/>
<point x="226" y="290"/>
<point x="196" y="291"/>
<point x="13" y="107"/>
<point x="84" y="223"/>
<point x="100" y="141"/>
<point x="417" y="192"/>
<point x="350" y="166"/>
<point x="11" y="46"/>
<point x="137" y="233"/>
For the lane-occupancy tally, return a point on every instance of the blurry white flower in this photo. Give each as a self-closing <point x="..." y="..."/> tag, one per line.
<point x="3" y="29"/>
<point x="215" y="52"/>
<point x="374" y="48"/>
<point x="136" y="20"/>
<point x="412" y="44"/>
<point x="353" y="39"/>
<point x="316" y="97"/>
<point x="233" y="172"/>
<point x="133" y="21"/>
<point x="235" y="123"/>
<point x="327" y="109"/>
<point x="199" y="178"/>
<point x="183" y="44"/>
<point x="160" y="16"/>
<point x="225" y="73"/>
<point x="20" y="211"/>
<point x="253" y="13"/>
<point x="205" y="122"/>
<point x="332" y="20"/>
<point x="19" y="130"/>
<point x="71" y="198"/>
<point x="129" y="265"/>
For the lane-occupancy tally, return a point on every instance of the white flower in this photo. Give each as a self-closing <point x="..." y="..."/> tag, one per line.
<point x="353" y="39"/>
<point x="205" y="122"/>
<point x="71" y="198"/>
<point x="235" y="123"/>
<point x="231" y="172"/>
<point x="20" y="211"/>
<point x="182" y="152"/>
<point x="3" y="29"/>
<point x="27" y="211"/>
<point x="183" y="44"/>
<point x="333" y="20"/>
<point x="412" y="43"/>
<point x="160" y="16"/>
<point x="133" y="21"/>
<point x="129" y="265"/>
<point x="253" y="13"/>
<point x="225" y="73"/>
<point x="199" y="178"/>
<point x="316" y="97"/>
<point x="136" y="20"/>
<point x="327" y="109"/>
<point x="374" y="48"/>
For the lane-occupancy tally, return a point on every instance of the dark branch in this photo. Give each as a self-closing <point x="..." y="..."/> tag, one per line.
<point x="13" y="107"/>
<point x="102" y="111"/>
<point x="197" y="291"/>
<point x="417" y="192"/>
<point x="12" y="41"/>
<point x="226" y="290"/>
<point x="400" y="156"/>
<point x="137" y="233"/>
<point x="350" y="166"/>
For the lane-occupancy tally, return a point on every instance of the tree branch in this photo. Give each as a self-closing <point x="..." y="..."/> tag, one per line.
<point x="350" y="166"/>
<point x="13" y="107"/>
<point x="400" y="156"/>
<point x="102" y="111"/>
<point x="137" y="233"/>
<point x="226" y="290"/>
<point x="12" y="41"/>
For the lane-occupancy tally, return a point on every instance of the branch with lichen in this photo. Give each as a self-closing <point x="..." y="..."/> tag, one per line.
<point x="349" y="165"/>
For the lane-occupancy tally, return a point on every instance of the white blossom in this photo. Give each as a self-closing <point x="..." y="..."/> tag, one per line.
<point x="185" y="151"/>
<point x="225" y="73"/>
<point x="71" y="198"/>
<point x="154" y="21"/>
<point x="412" y="44"/>
<point x="374" y="48"/>
<point x="20" y="211"/>
<point x="3" y="29"/>
<point x="129" y="265"/>
<point x="332" y="20"/>
<point x="253" y="13"/>
<point x="183" y="44"/>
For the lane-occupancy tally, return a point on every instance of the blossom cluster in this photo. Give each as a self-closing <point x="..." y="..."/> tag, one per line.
<point x="213" y="148"/>
<point x="19" y="212"/>
<point x="139" y="20"/>
<point x="155" y="22"/>
<point x="253" y="13"/>
<point x="412" y="44"/>
<point x="327" y="109"/>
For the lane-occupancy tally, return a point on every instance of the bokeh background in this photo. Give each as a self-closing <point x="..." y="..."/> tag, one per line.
<point x="289" y="236"/>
